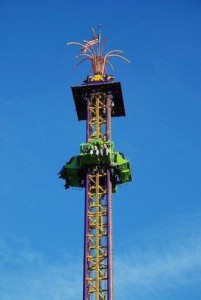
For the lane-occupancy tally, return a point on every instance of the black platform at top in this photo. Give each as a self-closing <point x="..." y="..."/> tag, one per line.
<point x="83" y="92"/>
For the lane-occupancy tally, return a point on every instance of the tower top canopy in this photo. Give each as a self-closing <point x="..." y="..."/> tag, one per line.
<point x="92" y="50"/>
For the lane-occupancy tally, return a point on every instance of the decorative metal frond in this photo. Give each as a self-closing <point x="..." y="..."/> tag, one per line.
<point x="120" y="56"/>
<point x="114" y="51"/>
<point x="93" y="50"/>
<point x="80" y="62"/>
<point x="109" y="63"/>
<point x="83" y="54"/>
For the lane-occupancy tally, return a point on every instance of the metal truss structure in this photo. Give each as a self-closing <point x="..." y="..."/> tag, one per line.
<point x="99" y="169"/>
<point x="98" y="233"/>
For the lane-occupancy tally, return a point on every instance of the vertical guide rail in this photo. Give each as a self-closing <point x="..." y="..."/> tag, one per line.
<point x="85" y="237"/>
<point x="109" y="239"/>
<point x="85" y="292"/>
<point x="109" y="207"/>
<point x="97" y="274"/>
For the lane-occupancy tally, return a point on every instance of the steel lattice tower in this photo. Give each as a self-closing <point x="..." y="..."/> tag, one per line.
<point x="98" y="168"/>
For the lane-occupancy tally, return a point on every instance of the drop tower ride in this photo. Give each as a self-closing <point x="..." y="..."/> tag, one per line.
<point x="98" y="168"/>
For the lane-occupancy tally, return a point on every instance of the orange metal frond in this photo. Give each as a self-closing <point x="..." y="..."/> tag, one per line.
<point x="93" y="49"/>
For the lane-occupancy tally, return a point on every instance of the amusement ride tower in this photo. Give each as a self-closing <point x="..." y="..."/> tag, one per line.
<point x="98" y="168"/>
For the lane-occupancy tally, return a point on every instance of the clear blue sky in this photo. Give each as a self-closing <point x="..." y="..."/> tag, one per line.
<point x="157" y="242"/>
